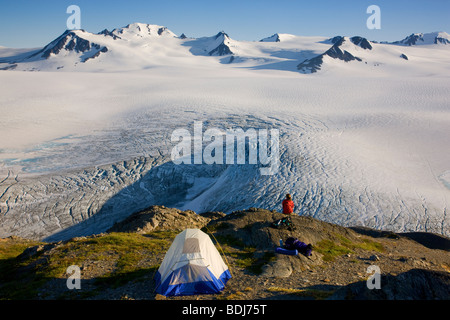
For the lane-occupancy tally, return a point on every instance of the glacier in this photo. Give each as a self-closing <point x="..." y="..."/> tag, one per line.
<point x="361" y="143"/>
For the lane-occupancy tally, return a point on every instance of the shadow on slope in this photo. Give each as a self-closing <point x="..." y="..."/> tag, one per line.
<point x="198" y="187"/>
<point x="429" y="240"/>
<point x="163" y="185"/>
<point x="415" y="284"/>
<point x="291" y="59"/>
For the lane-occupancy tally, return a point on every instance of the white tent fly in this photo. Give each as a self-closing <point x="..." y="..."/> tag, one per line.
<point x="192" y="265"/>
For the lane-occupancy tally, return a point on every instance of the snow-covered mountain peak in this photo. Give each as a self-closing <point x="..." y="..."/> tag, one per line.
<point x="361" y="42"/>
<point x="279" y="37"/>
<point x="273" y="38"/>
<point x="222" y="35"/>
<point x="140" y="30"/>
<point x="425" y="39"/>
<point x="443" y="35"/>
<point x="344" y="48"/>
<point x="218" y="45"/>
<point x="347" y="41"/>
<point x="77" y="41"/>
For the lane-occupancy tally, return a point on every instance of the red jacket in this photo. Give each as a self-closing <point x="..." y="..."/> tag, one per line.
<point x="288" y="206"/>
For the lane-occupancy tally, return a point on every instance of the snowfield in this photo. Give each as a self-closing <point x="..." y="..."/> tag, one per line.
<point x="88" y="144"/>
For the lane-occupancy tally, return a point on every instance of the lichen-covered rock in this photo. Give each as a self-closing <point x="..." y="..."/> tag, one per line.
<point x="160" y="218"/>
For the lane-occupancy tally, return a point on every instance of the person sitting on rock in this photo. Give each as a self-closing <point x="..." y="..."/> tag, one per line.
<point x="288" y="205"/>
<point x="288" y="210"/>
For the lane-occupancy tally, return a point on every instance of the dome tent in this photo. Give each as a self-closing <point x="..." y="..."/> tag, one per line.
<point x="192" y="265"/>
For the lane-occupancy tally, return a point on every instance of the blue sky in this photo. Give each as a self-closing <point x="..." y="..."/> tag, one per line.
<point x="35" y="23"/>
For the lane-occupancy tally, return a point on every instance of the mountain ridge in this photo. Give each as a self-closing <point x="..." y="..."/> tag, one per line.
<point x="74" y="48"/>
<point x="120" y="263"/>
<point x="425" y="39"/>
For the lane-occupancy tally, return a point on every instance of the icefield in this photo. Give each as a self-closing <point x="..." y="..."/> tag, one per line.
<point x="361" y="142"/>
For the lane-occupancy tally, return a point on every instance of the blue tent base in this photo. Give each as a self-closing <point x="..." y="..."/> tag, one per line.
<point x="213" y="286"/>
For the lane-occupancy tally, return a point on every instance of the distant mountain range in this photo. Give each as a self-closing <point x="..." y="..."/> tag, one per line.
<point x="140" y="45"/>
<point x="425" y="39"/>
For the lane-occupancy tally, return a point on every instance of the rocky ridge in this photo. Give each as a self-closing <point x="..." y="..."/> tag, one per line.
<point x="412" y="266"/>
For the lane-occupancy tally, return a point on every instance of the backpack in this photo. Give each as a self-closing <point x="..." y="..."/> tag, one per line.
<point x="284" y="223"/>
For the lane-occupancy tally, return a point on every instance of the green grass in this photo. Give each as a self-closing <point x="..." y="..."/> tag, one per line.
<point x="244" y="256"/>
<point x="12" y="248"/>
<point x="22" y="279"/>
<point x="332" y="249"/>
<point x="246" y="259"/>
<point x="126" y="249"/>
<point x="366" y="244"/>
<point x="370" y="245"/>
